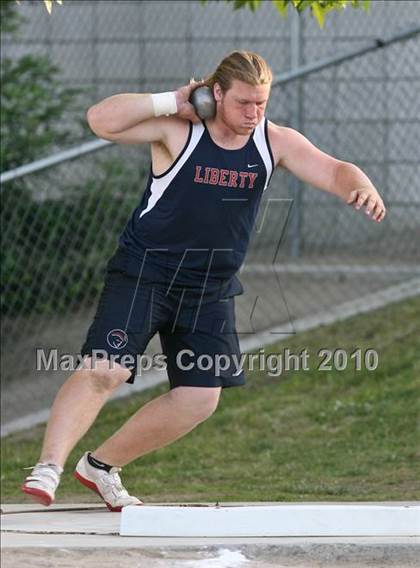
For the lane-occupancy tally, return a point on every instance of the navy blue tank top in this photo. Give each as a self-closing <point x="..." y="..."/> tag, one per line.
<point x="194" y="222"/>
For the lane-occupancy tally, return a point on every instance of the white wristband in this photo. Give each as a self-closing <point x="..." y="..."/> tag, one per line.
<point x="164" y="103"/>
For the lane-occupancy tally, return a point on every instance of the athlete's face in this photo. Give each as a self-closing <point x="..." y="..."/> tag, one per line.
<point x="242" y="106"/>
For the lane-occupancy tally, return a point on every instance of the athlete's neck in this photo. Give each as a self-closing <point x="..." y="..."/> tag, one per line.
<point x="225" y="136"/>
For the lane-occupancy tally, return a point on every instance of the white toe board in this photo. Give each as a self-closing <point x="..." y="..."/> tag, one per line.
<point x="273" y="520"/>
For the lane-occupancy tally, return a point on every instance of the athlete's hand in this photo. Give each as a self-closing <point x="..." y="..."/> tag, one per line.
<point x="370" y="198"/>
<point x="185" y="108"/>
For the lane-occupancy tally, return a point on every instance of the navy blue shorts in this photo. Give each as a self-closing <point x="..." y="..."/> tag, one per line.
<point x="199" y="341"/>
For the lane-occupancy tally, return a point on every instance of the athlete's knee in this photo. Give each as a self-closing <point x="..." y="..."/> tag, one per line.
<point x="197" y="402"/>
<point x="105" y="375"/>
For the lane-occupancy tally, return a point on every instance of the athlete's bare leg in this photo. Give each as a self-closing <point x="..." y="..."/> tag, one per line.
<point x="158" y="423"/>
<point x="75" y="408"/>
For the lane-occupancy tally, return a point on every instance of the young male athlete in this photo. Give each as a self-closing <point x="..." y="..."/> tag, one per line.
<point x="174" y="270"/>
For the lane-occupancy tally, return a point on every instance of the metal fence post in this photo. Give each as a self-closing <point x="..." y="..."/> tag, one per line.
<point x="296" y="122"/>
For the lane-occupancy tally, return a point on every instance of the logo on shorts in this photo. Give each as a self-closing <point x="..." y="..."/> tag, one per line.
<point x="117" y="338"/>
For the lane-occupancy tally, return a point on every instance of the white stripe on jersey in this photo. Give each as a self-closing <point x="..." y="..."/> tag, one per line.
<point x="159" y="185"/>
<point x="261" y="144"/>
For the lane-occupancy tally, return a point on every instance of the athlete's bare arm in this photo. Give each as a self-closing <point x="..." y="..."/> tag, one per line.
<point x="128" y="118"/>
<point x="297" y="154"/>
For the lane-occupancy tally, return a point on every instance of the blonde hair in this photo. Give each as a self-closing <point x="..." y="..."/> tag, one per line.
<point x="245" y="66"/>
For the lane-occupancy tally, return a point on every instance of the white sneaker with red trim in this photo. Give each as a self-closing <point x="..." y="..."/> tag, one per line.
<point x="42" y="483"/>
<point x="106" y="484"/>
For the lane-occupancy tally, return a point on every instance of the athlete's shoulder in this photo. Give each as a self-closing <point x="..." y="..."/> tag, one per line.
<point x="177" y="132"/>
<point x="278" y="130"/>
<point x="280" y="137"/>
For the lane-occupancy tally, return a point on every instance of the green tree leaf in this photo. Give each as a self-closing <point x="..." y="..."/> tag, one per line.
<point x="319" y="14"/>
<point x="282" y="6"/>
<point x="318" y="8"/>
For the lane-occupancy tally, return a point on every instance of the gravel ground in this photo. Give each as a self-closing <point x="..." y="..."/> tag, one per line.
<point x="263" y="556"/>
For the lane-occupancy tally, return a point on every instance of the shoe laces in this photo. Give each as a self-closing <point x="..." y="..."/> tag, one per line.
<point x="113" y="479"/>
<point x="38" y="467"/>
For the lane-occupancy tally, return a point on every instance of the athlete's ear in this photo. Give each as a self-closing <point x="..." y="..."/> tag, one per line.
<point x="217" y="92"/>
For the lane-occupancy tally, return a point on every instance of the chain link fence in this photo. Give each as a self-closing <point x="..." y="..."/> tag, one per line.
<point x="61" y="224"/>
